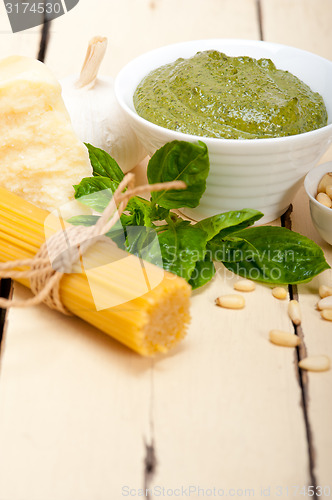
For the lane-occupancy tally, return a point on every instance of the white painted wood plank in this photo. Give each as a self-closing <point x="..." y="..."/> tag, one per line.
<point x="230" y="416"/>
<point x="234" y="420"/>
<point x="136" y="26"/>
<point x="305" y="24"/>
<point x="25" y="43"/>
<point x="74" y="409"/>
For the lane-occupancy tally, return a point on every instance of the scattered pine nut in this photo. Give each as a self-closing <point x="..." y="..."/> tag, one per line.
<point x="244" y="286"/>
<point x="233" y="301"/>
<point x="323" y="199"/>
<point x="327" y="314"/>
<point x="329" y="191"/>
<point x="294" y="312"/>
<point x="285" y="339"/>
<point x="325" y="303"/>
<point x="315" y="363"/>
<point x="325" y="291"/>
<point x="279" y="293"/>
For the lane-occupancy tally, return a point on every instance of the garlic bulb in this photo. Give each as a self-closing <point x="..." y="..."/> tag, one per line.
<point x="96" y="116"/>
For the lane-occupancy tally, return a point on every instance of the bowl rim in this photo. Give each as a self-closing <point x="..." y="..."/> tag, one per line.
<point x="213" y="141"/>
<point x="323" y="168"/>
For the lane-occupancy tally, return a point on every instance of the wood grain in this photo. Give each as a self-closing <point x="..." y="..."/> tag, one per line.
<point x="136" y="26"/>
<point x="234" y="419"/>
<point x="25" y="43"/>
<point x="74" y="409"/>
<point x="318" y="340"/>
<point x="313" y="33"/>
<point x="81" y="417"/>
<point x="305" y="24"/>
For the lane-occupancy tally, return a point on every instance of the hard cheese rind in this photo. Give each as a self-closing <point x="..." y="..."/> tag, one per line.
<point x="40" y="155"/>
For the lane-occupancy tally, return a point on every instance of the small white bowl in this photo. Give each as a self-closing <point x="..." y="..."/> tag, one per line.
<point x="263" y="174"/>
<point x="321" y="216"/>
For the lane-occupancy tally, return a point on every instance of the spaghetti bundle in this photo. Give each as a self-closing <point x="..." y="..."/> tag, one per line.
<point x="149" y="309"/>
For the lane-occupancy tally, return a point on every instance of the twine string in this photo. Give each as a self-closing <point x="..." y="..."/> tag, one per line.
<point x="66" y="247"/>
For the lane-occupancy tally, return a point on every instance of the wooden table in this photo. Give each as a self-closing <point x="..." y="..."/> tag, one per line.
<point x="226" y="413"/>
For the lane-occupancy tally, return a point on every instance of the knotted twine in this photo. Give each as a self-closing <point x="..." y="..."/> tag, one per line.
<point x="67" y="247"/>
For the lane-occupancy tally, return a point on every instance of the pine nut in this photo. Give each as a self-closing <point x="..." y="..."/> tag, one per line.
<point x="327" y="314"/>
<point x="285" y="339"/>
<point x="315" y="363"/>
<point x="325" y="303"/>
<point x="323" y="199"/>
<point x="294" y="312"/>
<point x="325" y="291"/>
<point x="329" y="191"/>
<point x="233" y="301"/>
<point x="244" y="286"/>
<point x="325" y="181"/>
<point x="279" y="293"/>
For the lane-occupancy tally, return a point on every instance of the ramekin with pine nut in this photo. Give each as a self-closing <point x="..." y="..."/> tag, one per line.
<point x="318" y="185"/>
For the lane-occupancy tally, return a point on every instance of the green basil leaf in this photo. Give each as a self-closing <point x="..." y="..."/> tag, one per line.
<point x="273" y="255"/>
<point x="117" y="233"/>
<point x="140" y="211"/>
<point x="83" y="220"/>
<point x="143" y="242"/>
<point x="95" y="192"/>
<point x="103" y="164"/>
<point x="203" y="273"/>
<point x="157" y="213"/>
<point x="231" y="249"/>
<point x="267" y="254"/>
<point x="182" y="246"/>
<point x="222" y="225"/>
<point x="179" y="160"/>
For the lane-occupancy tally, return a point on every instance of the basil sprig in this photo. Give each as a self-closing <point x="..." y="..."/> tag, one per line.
<point x="266" y="254"/>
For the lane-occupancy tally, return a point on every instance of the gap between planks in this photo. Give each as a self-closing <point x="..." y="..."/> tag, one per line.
<point x="301" y="353"/>
<point x="260" y="19"/>
<point x="150" y="461"/>
<point x="5" y="292"/>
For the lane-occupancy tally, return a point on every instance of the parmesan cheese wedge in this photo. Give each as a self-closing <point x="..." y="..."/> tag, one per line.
<point x="40" y="155"/>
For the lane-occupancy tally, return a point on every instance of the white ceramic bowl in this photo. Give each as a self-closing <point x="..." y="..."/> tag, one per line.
<point x="321" y="216"/>
<point x="256" y="173"/>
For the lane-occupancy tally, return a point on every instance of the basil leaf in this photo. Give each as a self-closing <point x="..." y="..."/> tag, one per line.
<point x="182" y="246"/>
<point x="231" y="249"/>
<point x="179" y="160"/>
<point x="203" y="273"/>
<point x="268" y="254"/>
<point x="273" y="255"/>
<point x="95" y="192"/>
<point x="143" y="242"/>
<point x="157" y="213"/>
<point x="228" y="222"/>
<point x="83" y="220"/>
<point x="103" y="164"/>
<point x="117" y="233"/>
<point x="140" y="212"/>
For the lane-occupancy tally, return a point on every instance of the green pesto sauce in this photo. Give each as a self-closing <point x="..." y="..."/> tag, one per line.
<point x="213" y="95"/>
